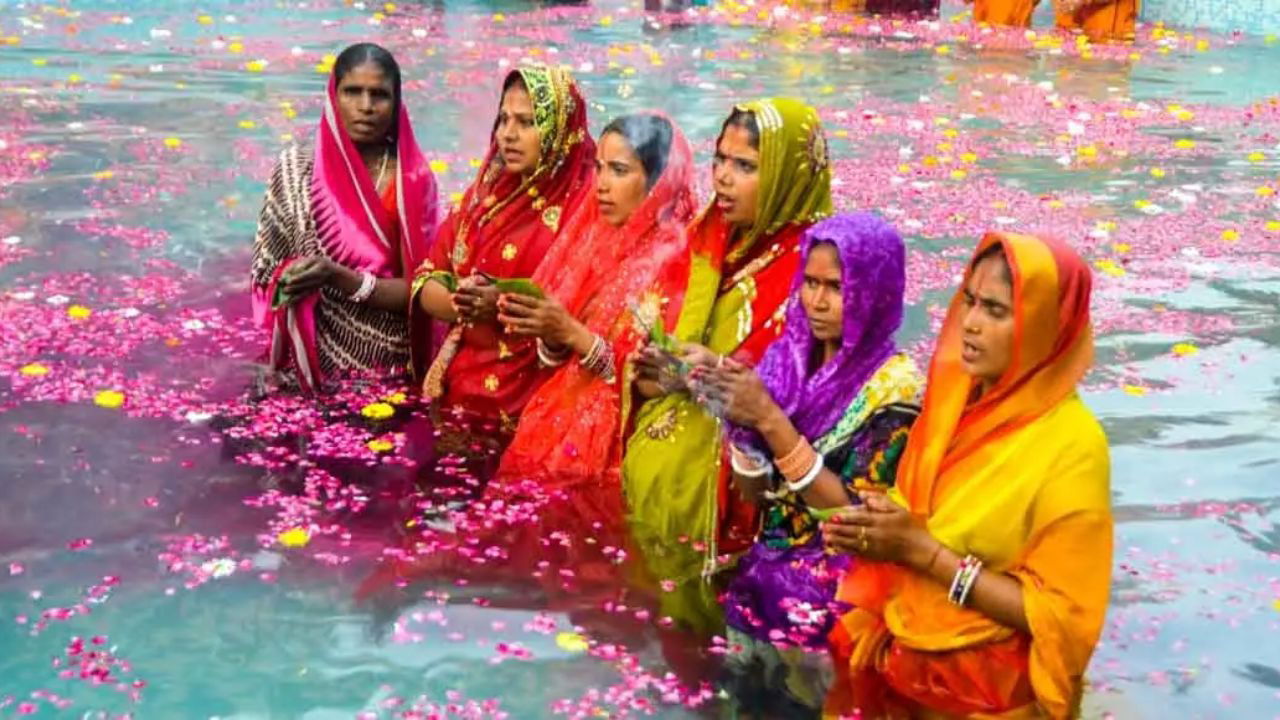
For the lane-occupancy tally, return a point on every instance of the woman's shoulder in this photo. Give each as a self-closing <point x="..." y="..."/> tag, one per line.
<point x="898" y="381"/>
<point x="295" y="157"/>
<point x="1072" y="447"/>
<point x="1071" y="418"/>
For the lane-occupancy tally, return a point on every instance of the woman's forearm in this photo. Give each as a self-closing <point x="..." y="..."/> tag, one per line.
<point x="390" y="294"/>
<point x="649" y="389"/>
<point x="994" y="594"/>
<point x="436" y="300"/>
<point x="782" y="437"/>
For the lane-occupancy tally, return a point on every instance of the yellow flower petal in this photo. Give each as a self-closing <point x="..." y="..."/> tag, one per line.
<point x="236" y="47"/>
<point x="103" y="175"/>
<point x="1135" y="390"/>
<point x="78" y="312"/>
<point x="1230" y="235"/>
<point x="378" y="411"/>
<point x="1257" y="157"/>
<point x="1185" y="349"/>
<point x="33" y="370"/>
<point x="1184" y="143"/>
<point x="572" y="642"/>
<point x="205" y="20"/>
<point x="294" y="537"/>
<point x="110" y="399"/>
<point x="247" y="125"/>
<point x="397" y="398"/>
<point x="1273" y="226"/>
<point x="439" y="166"/>
<point x="172" y="142"/>
<point x="256" y="65"/>
<point x="379" y="445"/>
<point x="1265" y="191"/>
<point x="1157" y="172"/>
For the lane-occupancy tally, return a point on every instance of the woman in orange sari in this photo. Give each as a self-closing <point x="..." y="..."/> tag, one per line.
<point x="995" y="545"/>
<point x="539" y="169"/>
<point x="1101" y="20"/>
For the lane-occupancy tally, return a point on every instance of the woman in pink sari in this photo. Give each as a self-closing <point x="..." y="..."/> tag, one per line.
<point x="342" y="226"/>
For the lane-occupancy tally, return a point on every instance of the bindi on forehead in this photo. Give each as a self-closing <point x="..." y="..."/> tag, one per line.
<point x="988" y="282"/>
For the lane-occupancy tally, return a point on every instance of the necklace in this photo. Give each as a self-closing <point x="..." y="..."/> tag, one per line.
<point x="382" y="170"/>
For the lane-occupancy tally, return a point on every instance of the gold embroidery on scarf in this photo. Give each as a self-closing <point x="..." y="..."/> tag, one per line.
<point x="551" y="218"/>
<point x="509" y="251"/>
<point x="663" y="427"/>
<point x="491" y="383"/>
<point x="818" y="157"/>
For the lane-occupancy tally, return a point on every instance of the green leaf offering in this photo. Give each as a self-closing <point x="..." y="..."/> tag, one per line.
<point x="824" y="514"/>
<point x="280" y="298"/>
<point x="659" y="338"/>
<point x="447" y="279"/>
<point x="519" y="286"/>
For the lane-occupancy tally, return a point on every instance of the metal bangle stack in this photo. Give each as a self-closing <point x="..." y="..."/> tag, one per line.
<point x="600" y="360"/>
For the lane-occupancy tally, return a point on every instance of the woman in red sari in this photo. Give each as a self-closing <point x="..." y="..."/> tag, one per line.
<point x="342" y="226"/>
<point x="620" y="265"/>
<point x="539" y="170"/>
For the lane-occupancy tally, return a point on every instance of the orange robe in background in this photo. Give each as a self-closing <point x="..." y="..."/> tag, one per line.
<point x="1102" y="21"/>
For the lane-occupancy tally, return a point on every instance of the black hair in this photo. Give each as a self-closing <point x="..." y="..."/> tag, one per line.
<point x="650" y="139"/>
<point x="514" y="78"/>
<point x="361" y="53"/>
<point x="746" y="120"/>
<point x="995" y="250"/>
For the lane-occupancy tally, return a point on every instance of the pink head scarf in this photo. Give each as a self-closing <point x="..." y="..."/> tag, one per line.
<point x="354" y="229"/>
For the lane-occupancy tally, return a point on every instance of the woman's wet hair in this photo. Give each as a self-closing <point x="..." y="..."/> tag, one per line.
<point x="996" y="250"/>
<point x="649" y="137"/>
<point x="746" y="120"/>
<point x="361" y="53"/>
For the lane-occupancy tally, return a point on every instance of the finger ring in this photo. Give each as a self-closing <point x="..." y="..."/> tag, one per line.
<point x="864" y="544"/>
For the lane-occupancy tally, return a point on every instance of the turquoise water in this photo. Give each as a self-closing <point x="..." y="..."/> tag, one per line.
<point x="135" y="140"/>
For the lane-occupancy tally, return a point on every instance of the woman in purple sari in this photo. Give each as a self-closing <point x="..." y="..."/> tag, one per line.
<point x="835" y="392"/>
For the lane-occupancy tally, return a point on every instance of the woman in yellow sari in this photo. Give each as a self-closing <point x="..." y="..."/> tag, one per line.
<point x="772" y="181"/>
<point x="995" y="546"/>
<point x="1101" y="20"/>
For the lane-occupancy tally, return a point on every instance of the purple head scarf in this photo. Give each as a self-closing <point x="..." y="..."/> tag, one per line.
<point x="872" y="280"/>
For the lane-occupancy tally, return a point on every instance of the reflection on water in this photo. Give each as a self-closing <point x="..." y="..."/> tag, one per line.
<point x="132" y="157"/>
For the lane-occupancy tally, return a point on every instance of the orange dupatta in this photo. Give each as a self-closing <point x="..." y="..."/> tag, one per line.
<point x="1020" y="479"/>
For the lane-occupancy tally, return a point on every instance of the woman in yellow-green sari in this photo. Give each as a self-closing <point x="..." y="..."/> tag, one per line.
<point x="772" y="181"/>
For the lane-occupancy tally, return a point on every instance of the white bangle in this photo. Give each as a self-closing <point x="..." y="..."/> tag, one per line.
<point x="738" y="460"/>
<point x="368" y="282"/>
<point x="548" y="358"/>
<point x="969" y="582"/>
<point x="803" y="483"/>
